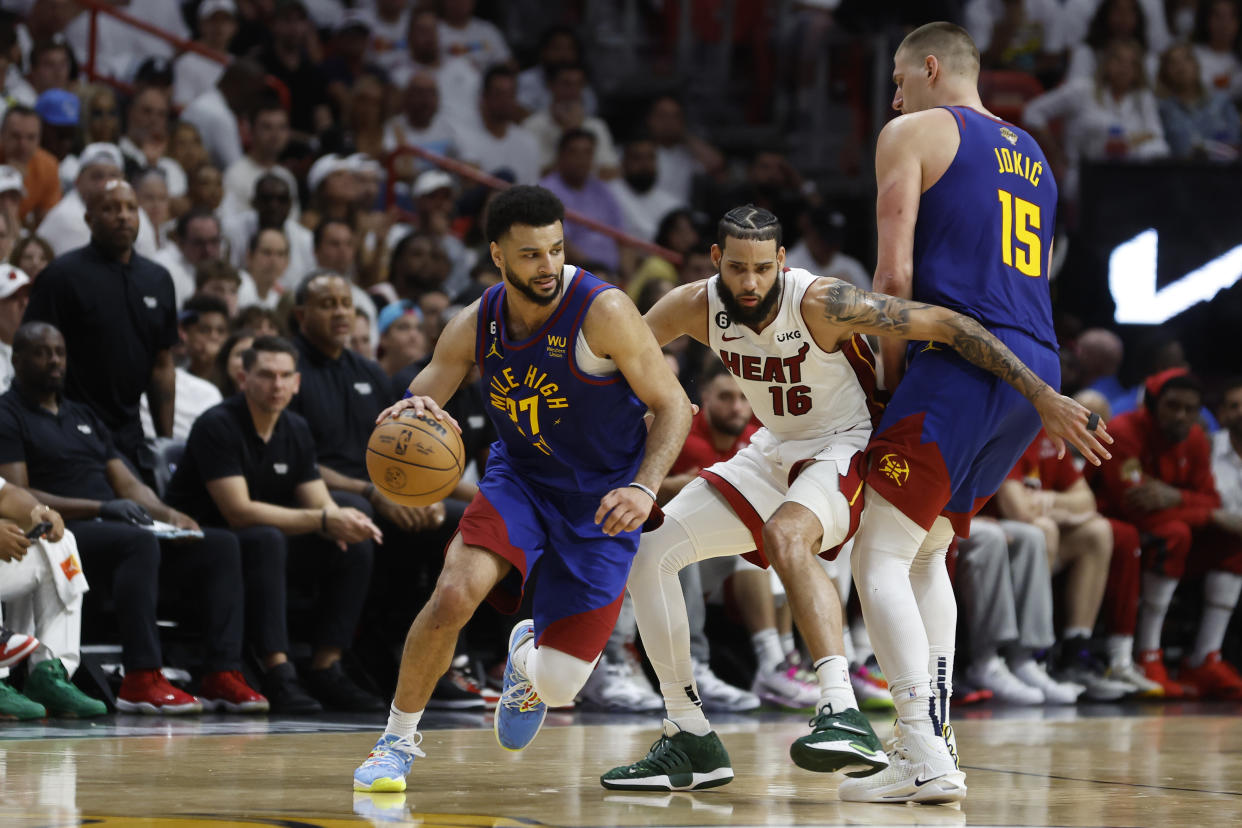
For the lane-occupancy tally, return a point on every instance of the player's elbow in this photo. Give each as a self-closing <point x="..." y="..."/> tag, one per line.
<point x="893" y="281"/>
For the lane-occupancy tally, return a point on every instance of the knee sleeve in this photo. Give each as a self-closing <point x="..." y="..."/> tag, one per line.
<point x="556" y="676"/>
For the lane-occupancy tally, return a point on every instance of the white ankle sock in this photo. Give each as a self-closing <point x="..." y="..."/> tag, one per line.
<point x="1220" y="596"/>
<point x="684" y="708"/>
<point x="834" y="684"/>
<point x="1077" y="632"/>
<point x="913" y="700"/>
<point x="1154" y="604"/>
<point x="1120" y="650"/>
<point x="768" y="652"/>
<point x="787" y="643"/>
<point x="402" y="724"/>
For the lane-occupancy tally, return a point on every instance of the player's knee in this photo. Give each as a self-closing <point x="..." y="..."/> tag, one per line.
<point x="454" y="602"/>
<point x="1099" y="533"/>
<point x="664" y="551"/>
<point x="784" y="545"/>
<point x="557" y="676"/>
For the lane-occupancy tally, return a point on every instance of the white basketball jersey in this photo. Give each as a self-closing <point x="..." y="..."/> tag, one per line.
<point x="797" y="391"/>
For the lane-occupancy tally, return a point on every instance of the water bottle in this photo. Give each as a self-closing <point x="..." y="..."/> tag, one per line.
<point x="1116" y="147"/>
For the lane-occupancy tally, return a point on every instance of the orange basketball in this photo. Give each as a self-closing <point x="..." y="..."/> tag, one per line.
<point x="415" y="461"/>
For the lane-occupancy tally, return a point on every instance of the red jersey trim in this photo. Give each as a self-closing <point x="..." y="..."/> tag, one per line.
<point x="547" y="326"/>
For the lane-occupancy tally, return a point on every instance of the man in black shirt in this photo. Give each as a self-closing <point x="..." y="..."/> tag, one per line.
<point x="249" y="465"/>
<point x="119" y="319"/>
<point x="63" y="452"/>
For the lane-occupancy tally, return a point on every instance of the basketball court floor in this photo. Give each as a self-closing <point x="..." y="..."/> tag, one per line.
<point x="1154" y="765"/>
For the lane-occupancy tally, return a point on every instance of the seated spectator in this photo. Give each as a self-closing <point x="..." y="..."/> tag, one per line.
<point x="771" y="183"/>
<point x="41" y="584"/>
<point x="642" y="204"/>
<point x="31" y="255"/>
<point x="418" y="266"/>
<point x="558" y="45"/>
<point x="1198" y="122"/>
<point x="65" y="226"/>
<point x="273" y="208"/>
<point x="566" y="112"/>
<point x="360" y="336"/>
<point x="266" y="261"/>
<point x="216" y="113"/>
<point x="681" y="155"/>
<point x="1023" y="35"/>
<point x="194" y="74"/>
<point x="145" y="142"/>
<point x="204" y="324"/>
<point x="249" y="465"/>
<point x="64" y="453"/>
<point x="420" y="123"/>
<point x="206" y="191"/>
<point x="402" y="340"/>
<point x="1114" y="117"/>
<point x="336" y="250"/>
<point x="679" y="232"/>
<point x="185" y="146"/>
<point x="348" y="59"/>
<point x="13" y="87"/>
<point x="365" y="114"/>
<point x="464" y="35"/>
<point x="1113" y="20"/>
<point x="197" y="240"/>
<point x="219" y="280"/>
<point x="101" y="115"/>
<point x="269" y="135"/>
<point x="151" y="189"/>
<point x="819" y="249"/>
<point x="493" y="139"/>
<point x="1160" y="481"/>
<point x="229" y="373"/>
<point x="1100" y="353"/>
<point x="20" y="133"/>
<point x="60" y="112"/>
<point x="332" y="187"/>
<point x="1157" y="15"/>
<point x="261" y="321"/>
<point x="575" y="185"/>
<point x="1217" y="37"/>
<point x="14" y="296"/>
<point x="389" y="22"/>
<point x="51" y="66"/>
<point x="457" y="79"/>
<point x="9" y="226"/>
<point x="435" y="210"/>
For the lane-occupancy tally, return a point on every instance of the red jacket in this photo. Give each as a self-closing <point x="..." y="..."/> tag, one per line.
<point x="1140" y="451"/>
<point x="698" y="451"/>
<point x="1039" y="468"/>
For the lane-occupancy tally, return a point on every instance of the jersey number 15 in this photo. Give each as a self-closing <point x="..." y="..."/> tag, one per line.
<point x="1020" y="244"/>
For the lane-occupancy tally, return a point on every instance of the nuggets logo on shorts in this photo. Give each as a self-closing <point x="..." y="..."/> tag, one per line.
<point x="894" y="468"/>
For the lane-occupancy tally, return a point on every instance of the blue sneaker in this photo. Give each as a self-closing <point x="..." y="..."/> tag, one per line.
<point x="520" y="712"/>
<point x="385" y="769"/>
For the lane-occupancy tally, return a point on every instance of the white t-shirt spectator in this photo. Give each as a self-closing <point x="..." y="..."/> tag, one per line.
<point x="439" y="136"/>
<point x="6" y="366"/>
<point x="1076" y="18"/>
<point x="388" y="47"/>
<point x="533" y="93"/>
<point x="120" y="48"/>
<point x="518" y="150"/>
<point x="174" y="176"/>
<point x="1221" y="71"/>
<point x="64" y="227"/>
<point x="548" y="132"/>
<point x="458" y="82"/>
<point x="239" y="228"/>
<point x="840" y="266"/>
<point x="217" y="126"/>
<point x="642" y="211"/>
<point x="1083" y="62"/>
<point x="193" y="75"/>
<point x="676" y="168"/>
<point x="194" y="395"/>
<point x="478" y="41"/>
<point x="1044" y="22"/>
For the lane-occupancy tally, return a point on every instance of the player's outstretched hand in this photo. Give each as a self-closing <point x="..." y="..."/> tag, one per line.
<point x="623" y="510"/>
<point x="420" y="406"/>
<point x="1067" y="421"/>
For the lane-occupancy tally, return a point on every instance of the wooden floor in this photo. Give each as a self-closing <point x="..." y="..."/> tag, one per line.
<point x="1155" y="769"/>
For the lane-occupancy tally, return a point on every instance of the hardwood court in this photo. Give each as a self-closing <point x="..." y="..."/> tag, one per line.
<point x="1158" y="769"/>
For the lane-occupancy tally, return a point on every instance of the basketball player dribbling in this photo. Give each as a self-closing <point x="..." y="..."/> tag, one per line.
<point x="571" y="369"/>
<point x="965" y="211"/>
<point x="793" y="341"/>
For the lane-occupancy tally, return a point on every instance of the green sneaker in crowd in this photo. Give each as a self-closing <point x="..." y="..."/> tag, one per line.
<point x="840" y="742"/>
<point x="679" y="761"/>
<point x="13" y="705"/>
<point x="49" y="685"/>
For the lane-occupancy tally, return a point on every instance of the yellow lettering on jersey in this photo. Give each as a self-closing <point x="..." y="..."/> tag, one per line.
<point x="1015" y="163"/>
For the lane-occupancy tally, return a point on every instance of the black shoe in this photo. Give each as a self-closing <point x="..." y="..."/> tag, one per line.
<point x="455" y="691"/>
<point x="285" y="694"/>
<point x="337" y="691"/>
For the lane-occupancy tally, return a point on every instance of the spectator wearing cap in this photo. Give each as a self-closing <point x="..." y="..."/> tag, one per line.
<point x="332" y="183"/>
<point x="60" y="112"/>
<point x="567" y="111"/>
<point x="457" y="79"/>
<point x="389" y="22"/>
<point x="464" y="35"/>
<point x="194" y="74"/>
<point x="145" y="142"/>
<point x="819" y="249"/>
<point x="420" y="123"/>
<point x="642" y="203"/>
<point x="269" y="135"/>
<point x="574" y="184"/>
<point x="119" y="316"/>
<point x="434" y="202"/>
<point x="273" y="209"/>
<point x="216" y="113"/>
<point x="204" y="325"/>
<point x="267" y="258"/>
<point x="20" y="132"/>
<point x="65" y="226"/>
<point x="196" y="239"/>
<point x="286" y="58"/>
<point x="14" y="296"/>
<point x="402" y="340"/>
<point x="495" y="139"/>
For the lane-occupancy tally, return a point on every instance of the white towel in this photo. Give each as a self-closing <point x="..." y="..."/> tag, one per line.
<point x="66" y="565"/>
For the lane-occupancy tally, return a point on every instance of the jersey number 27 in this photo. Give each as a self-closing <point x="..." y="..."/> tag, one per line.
<point x="1020" y="244"/>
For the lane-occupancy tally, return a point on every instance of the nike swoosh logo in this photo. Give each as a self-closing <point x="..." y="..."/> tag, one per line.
<point x="920" y="782"/>
<point x="849" y="729"/>
<point x="729" y="338"/>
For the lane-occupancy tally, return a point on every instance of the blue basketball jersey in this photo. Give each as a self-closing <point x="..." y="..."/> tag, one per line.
<point x="983" y="240"/>
<point x="558" y="426"/>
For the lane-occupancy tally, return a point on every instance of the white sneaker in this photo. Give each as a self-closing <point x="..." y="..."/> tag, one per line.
<point x="1032" y="673"/>
<point x="1128" y="673"/>
<point x="781" y="687"/>
<point x="718" y="695"/>
<point x="920" y="769"/>
<point x="994" y="675"/>
<point x="613" y="687"/>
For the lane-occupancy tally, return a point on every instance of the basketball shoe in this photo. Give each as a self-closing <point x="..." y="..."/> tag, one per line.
<point x="717" y="695"/>
<point x="520" y="712"/>
<point x="782" y="686"/>
<point x="613" y="687"/>
<point x="49" y="685"/>
<point x="1215" y="678"/>
<point x="870" y="690"/>
<point x="388" y="764"/>
<point x="839" y="742"/>
<point x="678" y="761"/>
<point x="921" y="768"/>
<point x="1128" y="673"/>
<point x="227" y="690"/>
<point x="14" y="647"/>
<point x="1151" y="664"/>
<point x="147" y="691"/>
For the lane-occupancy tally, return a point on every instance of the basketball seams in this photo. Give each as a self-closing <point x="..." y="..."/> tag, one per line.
<point x="396" y="476"/>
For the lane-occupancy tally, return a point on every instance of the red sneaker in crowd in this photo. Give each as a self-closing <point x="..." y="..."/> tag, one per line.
<point x="1151" y="664"/>
<point x="14" y="647"/>
<point x="147" y="691"/>
<point x="227" y="690"/>
<point x="1213" y="679"/>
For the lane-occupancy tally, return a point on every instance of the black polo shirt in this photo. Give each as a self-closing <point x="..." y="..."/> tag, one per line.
<point x="224" y="443"/>
<point x="115" y="318"/>
<point x="468" y="407"/>
<point x="340" y="399"/>
<point x="65" y="453"/>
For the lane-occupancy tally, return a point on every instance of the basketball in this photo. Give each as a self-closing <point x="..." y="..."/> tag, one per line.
<point x="415" y="461"/>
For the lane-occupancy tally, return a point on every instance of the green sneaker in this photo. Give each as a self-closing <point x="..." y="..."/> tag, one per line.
<point x="679" y="761"/>
<point x="840" y="742"/>
<point x="49" y="685"/>
<point x="13" y="705"/>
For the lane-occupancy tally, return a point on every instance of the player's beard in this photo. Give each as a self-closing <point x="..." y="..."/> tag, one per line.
<point x="753" y="315"/>
<point x="529" y="292"/>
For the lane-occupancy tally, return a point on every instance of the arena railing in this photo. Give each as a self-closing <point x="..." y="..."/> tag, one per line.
<point x="97" y="7"/>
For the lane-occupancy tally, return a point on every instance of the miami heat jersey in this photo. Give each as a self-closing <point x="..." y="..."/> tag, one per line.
<point x="558" y="425"/>
<point x="797" y="391"/>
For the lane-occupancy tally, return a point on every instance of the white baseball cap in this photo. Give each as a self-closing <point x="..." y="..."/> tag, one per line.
<point x="430" y="181"/>
<point x="12" y="279"/>
<point x="324" y="167"/>
<point x="209" y="7"/>
<point x="11" y="179"/>
<point x="100" y="153"/>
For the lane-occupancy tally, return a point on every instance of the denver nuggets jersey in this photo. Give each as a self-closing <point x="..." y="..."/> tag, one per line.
<point x="983" y="240"/>
<point x="558" y="426"/>
<point x="797" y="391"/>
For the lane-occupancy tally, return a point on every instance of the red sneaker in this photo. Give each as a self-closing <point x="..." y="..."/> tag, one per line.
<point x="147" y="691"/>
<point x="14" y="647"/>
<point x="227" y="690"/>
<point x="1213" y="679"/>
<point x="1151" y="664"/>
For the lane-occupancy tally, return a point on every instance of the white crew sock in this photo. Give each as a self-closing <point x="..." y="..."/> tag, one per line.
<point x="835" y="689"/>
<point x="402" y="724"/>
<point x="787" y="643"/>
<point x="1077" y="632"/>
<point x="1154" y="604"/>
<point x="1220" y="596"/>
<point x="768" y="652"/>
<point x="1120" y="650"/>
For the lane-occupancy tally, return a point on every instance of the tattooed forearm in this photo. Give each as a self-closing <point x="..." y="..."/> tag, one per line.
<point x="977" y="345"/>
<point x="866" y="312"/>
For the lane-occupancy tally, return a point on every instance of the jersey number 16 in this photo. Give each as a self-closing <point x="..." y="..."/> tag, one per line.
<point x="1019" y="221"/>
